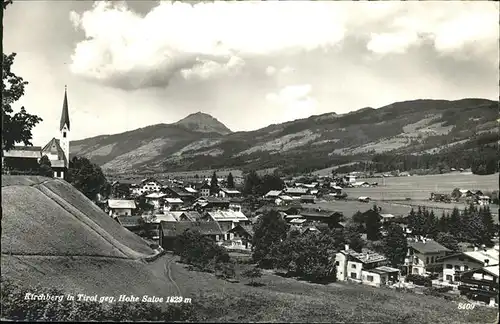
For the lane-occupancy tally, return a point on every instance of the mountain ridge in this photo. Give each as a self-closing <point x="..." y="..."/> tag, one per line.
<point x="413" y="126"/>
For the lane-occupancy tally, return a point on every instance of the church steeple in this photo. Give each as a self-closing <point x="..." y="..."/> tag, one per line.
<point x="65" y="112"/>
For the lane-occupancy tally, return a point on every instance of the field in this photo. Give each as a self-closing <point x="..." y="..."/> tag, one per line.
<point x="398" y="208"/>
<point x="420" y="187"/>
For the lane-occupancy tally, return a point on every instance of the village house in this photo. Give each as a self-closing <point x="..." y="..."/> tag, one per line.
<point x="481" y="284"/>
<point x="455" y="264"/>
<point x="170" y="231"/>
<point x="120" y="207"/>
<point x="385" y="218"/>
<point x="132" y="223"/>
<point x="283" y="200"/>
<point x="156" y="199"/>
<point x="307" y="199"/>
<point x="192" y="191"/>
<point x="121" y="189"/>
<point x="180" y="193"/>
<point x="365" y="267"/>
<point x="296" y="193"/>
<point x="205" y="190"/>
<point x="227" y="219"/>
<point x="361" y="184"/>
<point x="364" y="199"/>
<point x="273" y="194"/>
<point x="173" y="204"/>
<point x="212" y="203"/>
<point x="147" y="186"/>
<point x="229" y="193"/>
<point x="235" y="204"/>
<point x="424" y="256"/>
<point x="240" y="237"/>
<point x="25" y="159"/>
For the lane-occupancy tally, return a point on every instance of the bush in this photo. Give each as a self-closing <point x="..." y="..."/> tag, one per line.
<point x="16" y="307"/>
<point x="419" y="280"/>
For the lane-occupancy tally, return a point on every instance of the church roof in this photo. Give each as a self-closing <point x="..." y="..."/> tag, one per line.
<point x="65" y="112"/>
<point x="54" y="147"/>
<point x="24" y="152"/>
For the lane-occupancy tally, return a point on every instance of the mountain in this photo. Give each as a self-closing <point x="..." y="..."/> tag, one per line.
<point x="417" y="127"/>
<point x="203" y="123"/>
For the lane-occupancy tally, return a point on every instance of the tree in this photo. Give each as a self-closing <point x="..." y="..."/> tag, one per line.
<point x="353" y="237"/>
<point x="372" y="224"/>
<point x="214" y="185"/>
<point x="16" y="127"/>
<point x="230" y="181"/>
<point x="87" y="177"/>
<point x="416" y="221"/>
<point x="252" y="183"/>
<point x="252" y="274"/>
<point x="448" y="241"/>
<point x="46" y="167"/>
<point x="270" y="182"/>
<point x="270" y="230"/>
<point x="395" y="245"/>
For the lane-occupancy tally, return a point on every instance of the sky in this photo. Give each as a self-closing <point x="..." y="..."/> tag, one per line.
<point x="132" y="64"/>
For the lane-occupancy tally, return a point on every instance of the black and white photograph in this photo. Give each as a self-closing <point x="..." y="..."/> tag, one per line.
<point x="250" y="161"/>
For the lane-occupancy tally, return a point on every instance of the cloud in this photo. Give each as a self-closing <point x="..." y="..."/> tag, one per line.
<point x="124" y="48"/>
<point x="294" y="100"/>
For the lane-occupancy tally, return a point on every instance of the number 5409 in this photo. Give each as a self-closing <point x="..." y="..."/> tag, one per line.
<point x="466" y="306"/>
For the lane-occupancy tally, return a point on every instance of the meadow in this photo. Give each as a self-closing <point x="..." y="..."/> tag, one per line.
<point x="420" y="187"/>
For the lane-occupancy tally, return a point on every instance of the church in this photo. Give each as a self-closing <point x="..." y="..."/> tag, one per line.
<point x="25" y="158"/>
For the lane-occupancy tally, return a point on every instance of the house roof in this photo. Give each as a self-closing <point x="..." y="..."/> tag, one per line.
<point x="494" y="270"/>
<point x="166" y="217"/>
<point x="363" y="198"/>
<point x="273" y="193"/>
<point x="118" y="203"/>
<point x="172" y="229"/>
<point x="34" y="152"/>
<point x="174" y="200"/>
<point x="285" y="198"/>
<point x="246" y="228"/>
<point x="480" y="256"/>
<point x="296" y="190"/>
<point x="190" y="190"/>
<point x="54" y="147"/>
<point x="227" y="215"/>
<point x="129" y="221"/>
<point x="231" y="191"/>
<point x="337" y="187"/>
<point x="298" y="220"/>
<point x="155" y="195"/>
<point x="366" y="255"/>
<point x="429" y="246"/>
<point x="214" y="200"/>
<point x="307" y="197"/>
<point x="387" y="215"/>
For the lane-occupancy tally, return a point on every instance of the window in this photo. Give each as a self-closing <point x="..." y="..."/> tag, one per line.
<point x="415" y="270"/>
<point x="466" y="268"/>
<point x="369" y="278"/>
<point x="64" y="134"/>
<point x="461" y="258"/>
<point x="353" y="266"/>
<point x="427" y="260"/>
<point x="337" y="263"/>
<point x="449" y="277"/>
<point x="432" y="259"/>
<point x="449" y="266"/>
<point x="457" y="268"/>
<point x="353" y="275"/>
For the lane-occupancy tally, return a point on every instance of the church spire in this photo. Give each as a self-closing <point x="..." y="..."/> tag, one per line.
<point x="65" y="112"/>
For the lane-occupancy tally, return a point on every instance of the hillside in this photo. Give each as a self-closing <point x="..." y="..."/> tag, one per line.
<point x="203" y="123"/>
<point x="412" y="127"/>
<point x="54" y="236"/>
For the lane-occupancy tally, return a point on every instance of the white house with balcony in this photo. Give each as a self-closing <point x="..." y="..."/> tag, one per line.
<point x="455" y="264"/>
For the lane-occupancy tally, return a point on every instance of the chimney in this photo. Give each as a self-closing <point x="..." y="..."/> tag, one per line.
<point x="346" y="247"/>
<point x="475" y="248"/>
<point x="486" y="262"/>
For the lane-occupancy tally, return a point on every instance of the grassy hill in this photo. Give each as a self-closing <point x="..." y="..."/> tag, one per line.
<point x="410" y="127"/>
